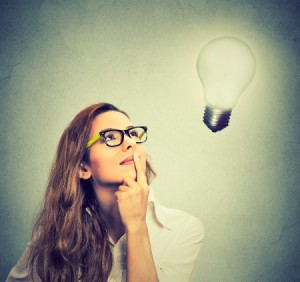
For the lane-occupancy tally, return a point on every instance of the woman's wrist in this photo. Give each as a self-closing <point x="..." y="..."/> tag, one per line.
<point x="137" y="227"/>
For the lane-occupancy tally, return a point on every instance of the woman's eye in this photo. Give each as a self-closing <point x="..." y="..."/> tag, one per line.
<point x="110" y="137"/>
<point x="134" y="133"/>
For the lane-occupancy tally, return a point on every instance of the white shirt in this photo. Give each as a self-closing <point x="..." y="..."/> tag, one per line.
<point x="175" y="238"/>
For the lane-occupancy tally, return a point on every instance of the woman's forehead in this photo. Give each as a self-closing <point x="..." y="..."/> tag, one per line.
<point x="111" y="119"/>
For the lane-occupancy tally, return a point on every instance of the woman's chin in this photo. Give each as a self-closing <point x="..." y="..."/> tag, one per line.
<point x="131" y="174"/>
<point x="117" y="181"/>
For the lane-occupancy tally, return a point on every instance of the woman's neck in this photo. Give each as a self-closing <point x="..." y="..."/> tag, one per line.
<point x="110" y="211"/>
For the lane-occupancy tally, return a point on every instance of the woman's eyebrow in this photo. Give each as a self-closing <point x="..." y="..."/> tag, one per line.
<point x="110" y="128"/>
<point x="107" y="129"/>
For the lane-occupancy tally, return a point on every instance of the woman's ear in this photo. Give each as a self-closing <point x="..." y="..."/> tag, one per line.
<point x="84" y="171"/>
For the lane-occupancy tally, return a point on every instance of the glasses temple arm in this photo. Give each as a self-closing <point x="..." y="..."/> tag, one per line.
<point x="142" y="134"/>
<point x="93" y="140"/>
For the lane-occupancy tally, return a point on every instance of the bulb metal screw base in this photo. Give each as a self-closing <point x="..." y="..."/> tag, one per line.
<point x="216" y="119"/>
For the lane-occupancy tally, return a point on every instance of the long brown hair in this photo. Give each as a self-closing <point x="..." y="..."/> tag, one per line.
<point x="69" y="239"/>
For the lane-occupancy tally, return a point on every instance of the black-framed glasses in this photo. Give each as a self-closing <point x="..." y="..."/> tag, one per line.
<point x="115" y="137"/>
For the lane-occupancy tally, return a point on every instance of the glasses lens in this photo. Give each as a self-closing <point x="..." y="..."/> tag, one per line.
<point x="113" y="137"/>
<point x="138" y="134"/>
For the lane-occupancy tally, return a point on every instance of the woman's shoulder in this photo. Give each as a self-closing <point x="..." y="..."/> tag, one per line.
<point x="176" y="222"/>
<point x="179" y="221"/>
<point x="177" y="218"/>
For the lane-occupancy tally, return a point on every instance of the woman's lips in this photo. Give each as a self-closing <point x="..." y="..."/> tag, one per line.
<point x="127" y="161"/>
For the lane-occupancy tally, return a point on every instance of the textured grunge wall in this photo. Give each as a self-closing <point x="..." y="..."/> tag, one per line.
<point x="57" y="57"/>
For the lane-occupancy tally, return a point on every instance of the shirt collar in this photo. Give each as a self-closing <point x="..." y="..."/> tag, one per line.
<point x="160" y="211"/>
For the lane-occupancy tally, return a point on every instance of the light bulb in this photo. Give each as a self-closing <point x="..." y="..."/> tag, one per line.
<point x="225" y="65"/>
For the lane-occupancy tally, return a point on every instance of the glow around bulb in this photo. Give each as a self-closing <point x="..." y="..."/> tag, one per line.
<point x="226" y="66"/>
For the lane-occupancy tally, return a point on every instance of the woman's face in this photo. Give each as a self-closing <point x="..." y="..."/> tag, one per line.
<point x="105" y="164"/>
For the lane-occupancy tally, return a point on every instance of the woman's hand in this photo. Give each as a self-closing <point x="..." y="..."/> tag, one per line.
<point x="132" y="198"/>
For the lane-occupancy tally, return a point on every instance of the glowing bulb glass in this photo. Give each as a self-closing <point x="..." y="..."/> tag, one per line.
<point x="226" y="66"/>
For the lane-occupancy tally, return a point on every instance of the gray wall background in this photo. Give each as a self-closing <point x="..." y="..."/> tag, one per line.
<point x="56" y="57"/>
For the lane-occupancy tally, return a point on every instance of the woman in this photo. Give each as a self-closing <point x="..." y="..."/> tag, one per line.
<point x="99" y="220"/>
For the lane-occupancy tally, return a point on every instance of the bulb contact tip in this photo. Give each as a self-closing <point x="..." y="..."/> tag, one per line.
<point x="216" y="119"/>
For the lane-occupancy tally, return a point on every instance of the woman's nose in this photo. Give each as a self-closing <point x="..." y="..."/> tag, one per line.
<point x="128" y="143"/>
